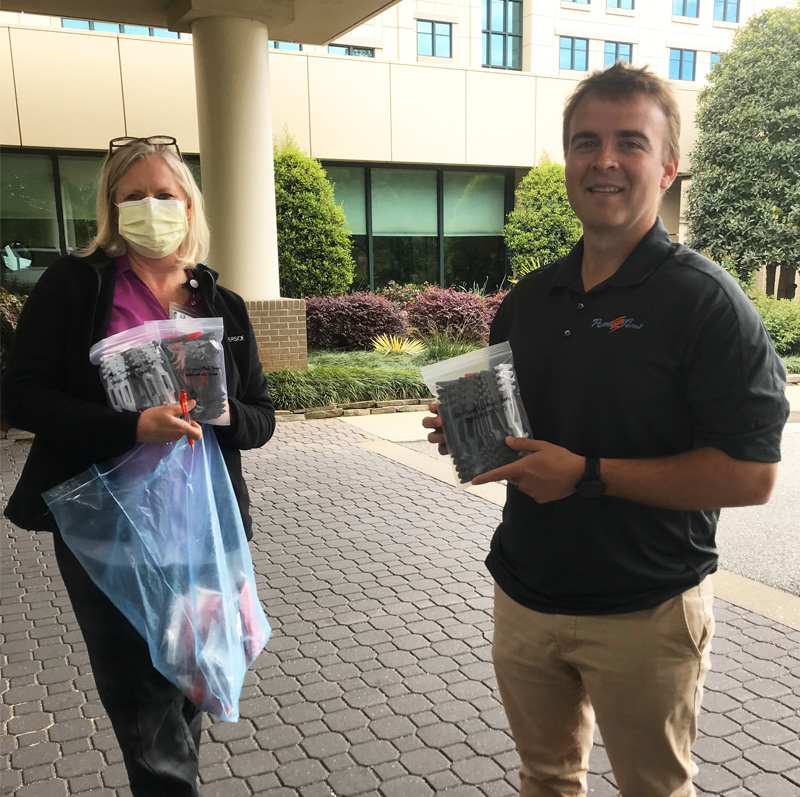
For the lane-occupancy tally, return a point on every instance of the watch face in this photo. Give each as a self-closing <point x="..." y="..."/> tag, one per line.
<point x="591" y="488"/>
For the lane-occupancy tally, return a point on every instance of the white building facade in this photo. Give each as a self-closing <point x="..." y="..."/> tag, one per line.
<point x="426" y="117"/>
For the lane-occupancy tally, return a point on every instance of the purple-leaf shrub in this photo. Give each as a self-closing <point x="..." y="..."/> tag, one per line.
<point x="350" y="322"/>
<point x="454" y="313"/>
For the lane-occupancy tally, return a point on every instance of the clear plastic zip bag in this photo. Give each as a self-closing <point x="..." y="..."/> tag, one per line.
<point x="478" y="400"/>
<point x="159" y="531"/>
<point x="148" y="366"/>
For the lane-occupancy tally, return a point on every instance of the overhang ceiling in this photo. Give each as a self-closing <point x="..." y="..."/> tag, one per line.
<point x="306" y="21"/>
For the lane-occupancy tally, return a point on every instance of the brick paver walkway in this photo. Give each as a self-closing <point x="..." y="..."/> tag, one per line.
<point x="378" y="679"/>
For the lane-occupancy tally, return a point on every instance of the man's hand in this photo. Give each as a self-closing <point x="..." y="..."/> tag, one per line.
<point x="547" y="473"/>
<point x="435" y="422"/>
<point x="166" y="425"/>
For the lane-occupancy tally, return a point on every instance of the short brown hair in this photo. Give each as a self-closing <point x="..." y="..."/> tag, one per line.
<point x="623" y="81"/>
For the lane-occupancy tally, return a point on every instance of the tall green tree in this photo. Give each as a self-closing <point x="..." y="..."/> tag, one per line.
<point x="744" y="200"/>
<point x="314" y="246"/>
<point x="542" y="226"/>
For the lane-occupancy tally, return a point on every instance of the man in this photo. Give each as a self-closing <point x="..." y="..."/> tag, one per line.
<point x="655" y="397"/>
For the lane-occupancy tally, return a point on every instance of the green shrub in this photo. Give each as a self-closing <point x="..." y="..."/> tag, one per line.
<point x="542" y="227"/>
<point x="745" y="279"/>
<point x="324" y="385"/>
<point x="744" y="197"/>
<point x="437" y="347"/>
<point x="314" y="246"/>
<point x="10" y="308"/>
<point x="359" y="359"/>
<point x="792" y="364"/>
<point x="781" y="317"/>
<point x="440" y="346"/>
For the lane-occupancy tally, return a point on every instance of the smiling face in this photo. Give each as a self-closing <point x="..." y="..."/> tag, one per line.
<point x="617" y="166"/>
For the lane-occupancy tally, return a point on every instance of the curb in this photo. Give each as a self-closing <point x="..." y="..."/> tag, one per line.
<point x="353" y="409"/>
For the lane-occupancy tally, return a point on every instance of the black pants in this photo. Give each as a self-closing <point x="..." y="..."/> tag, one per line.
<point x="158" y="729"/>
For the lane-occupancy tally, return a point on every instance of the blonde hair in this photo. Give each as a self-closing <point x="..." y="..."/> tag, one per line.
<point x="193" y="248"/>
<point x="622" y="81"/>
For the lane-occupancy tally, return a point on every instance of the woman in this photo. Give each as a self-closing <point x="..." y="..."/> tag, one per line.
<point x="151" y="234"/>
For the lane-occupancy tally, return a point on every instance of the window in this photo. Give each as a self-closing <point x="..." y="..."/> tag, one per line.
<point x="434" y="38"/>
<point x="626" y="4"/>
<point x="573" y="53"/>
<point x="341" y="49"/>
<point x="47" y="209"/>
<point x="502" y="34"/>
<point x="286" y="46"/>
<point x="681" y="64"/>
<point x="114" y="27"/>
<point x="617" y="51"/>
<point x="29" y="219"/>
<point x="474" y="215"/>
<point x="78" y="177"/>
<point x="714" y="58"/>
<point x="580" y="2"/>
<point x="404" y="225"/>
<point x="350" y="190"/>
<point x="685" y="8"/>
<point x="726" y="10"/>
<point x="443" y="226"/>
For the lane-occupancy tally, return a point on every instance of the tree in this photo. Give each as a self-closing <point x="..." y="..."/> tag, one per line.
<point x="542" y="226"/>
<point x="314" y="246"/>
<point x="744" y="200"/>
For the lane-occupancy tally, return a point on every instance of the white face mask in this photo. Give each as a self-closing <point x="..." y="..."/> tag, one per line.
<point x="153" y="227"/>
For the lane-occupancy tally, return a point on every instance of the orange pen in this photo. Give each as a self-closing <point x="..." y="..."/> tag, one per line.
<point x="185" y="410"/>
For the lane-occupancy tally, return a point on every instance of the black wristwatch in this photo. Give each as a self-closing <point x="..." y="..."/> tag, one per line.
<point x="591" y="485"/>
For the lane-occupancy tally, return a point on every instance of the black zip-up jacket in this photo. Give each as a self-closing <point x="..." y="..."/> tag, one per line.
<point x="52" y="389"/>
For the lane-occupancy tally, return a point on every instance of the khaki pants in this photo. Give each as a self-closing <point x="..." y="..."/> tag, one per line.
<point x="640" y="674"/>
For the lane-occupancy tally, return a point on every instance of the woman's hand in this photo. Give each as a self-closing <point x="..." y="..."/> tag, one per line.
<point x="166" y="425"/>
<point x="435" y="423"/>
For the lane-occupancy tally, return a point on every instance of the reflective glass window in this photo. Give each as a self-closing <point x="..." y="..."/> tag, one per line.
<point x="405" y="225"/>
<point x="424" y="37"/>
<point x="474" y="215"/>
<point x="616" y="51"/>
<point x="685" y="8"/>
<point x="78" y="192"/>
<point x="573" y="53"/>
<point x="502" y="34"/>
<point x="726" y="10"/>
<point x="28" y="219"/>
<point x="442" y="38"/>
<point x="681" y="64"/>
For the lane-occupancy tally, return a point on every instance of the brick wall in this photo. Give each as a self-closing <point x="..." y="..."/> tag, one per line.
<point x="280" y="327"/>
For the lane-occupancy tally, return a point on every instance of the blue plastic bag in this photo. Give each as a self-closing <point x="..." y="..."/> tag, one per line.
<point x="159" y="531"/>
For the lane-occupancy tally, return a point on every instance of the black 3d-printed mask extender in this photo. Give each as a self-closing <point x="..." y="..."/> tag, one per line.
<point x="479" y="408"/>
<point x="149" y="365"/>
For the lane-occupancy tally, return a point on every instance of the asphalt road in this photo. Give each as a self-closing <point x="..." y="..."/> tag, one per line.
<point x="763" y="542"/>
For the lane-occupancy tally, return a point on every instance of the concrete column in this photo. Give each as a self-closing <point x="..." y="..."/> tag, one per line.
<point x="234" y="119"/>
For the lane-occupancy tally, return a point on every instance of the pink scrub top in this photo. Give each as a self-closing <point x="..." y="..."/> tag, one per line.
<point x="134" y="303"/>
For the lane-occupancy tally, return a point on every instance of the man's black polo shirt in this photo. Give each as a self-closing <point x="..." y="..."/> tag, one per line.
<point x="666" y="356"/>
